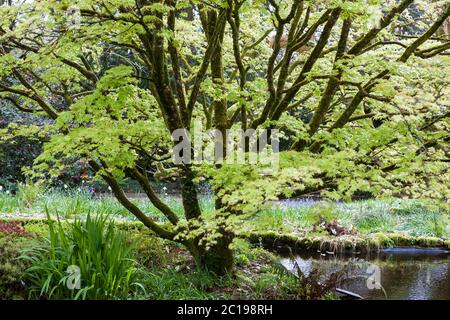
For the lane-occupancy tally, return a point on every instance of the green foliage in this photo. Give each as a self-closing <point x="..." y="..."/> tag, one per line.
<point x="9" y="203"/>
<point x="170" y="284"/>
<point x="72" y="203"/>
<point x="102" y="254"/>
<point x="29" y="192"/>
<point x="246" y="254"/>
<point x="325" y="211"/>
<point x="70" y="206"/>
<point x="271" y="220"/>
<point x="417" y="218"/>
<point x="11" y="267"/>
<point x="113" y="116"/>
<point x="115" y="85"/>
<point x="37" y="228"/>
<point x="412" y="217"/>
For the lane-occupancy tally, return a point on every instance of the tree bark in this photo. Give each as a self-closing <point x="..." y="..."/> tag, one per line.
<point x="218" y="259"/>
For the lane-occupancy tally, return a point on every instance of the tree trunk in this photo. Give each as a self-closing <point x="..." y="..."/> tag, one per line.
<point x="218" y="259"/>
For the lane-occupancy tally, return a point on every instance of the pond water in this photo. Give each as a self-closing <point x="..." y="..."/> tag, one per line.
<point x="399" y="273"/>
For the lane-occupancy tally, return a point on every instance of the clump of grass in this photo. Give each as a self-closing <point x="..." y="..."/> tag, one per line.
<point x="79" y="202"/>
<point x="426" y="221"/>
<point x="374" y="221"/>
<point x="99" y="253"/>
<point x="9" y="203"/>
<point x="321" y="211"/>
<point x="170" y="284"/>
<point x="29" y="192"/>
<point x="68" y="205"/>
<point x="270" y="220"/>
<point x="412" y="217"/>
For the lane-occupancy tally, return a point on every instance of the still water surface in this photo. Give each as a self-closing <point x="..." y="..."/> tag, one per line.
<point x="404" y="273"/>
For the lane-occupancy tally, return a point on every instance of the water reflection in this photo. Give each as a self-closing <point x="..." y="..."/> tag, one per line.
<point x="406" y="274"/>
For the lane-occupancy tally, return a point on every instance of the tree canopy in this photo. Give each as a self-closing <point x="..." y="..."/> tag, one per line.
<point x="358" y="89"/>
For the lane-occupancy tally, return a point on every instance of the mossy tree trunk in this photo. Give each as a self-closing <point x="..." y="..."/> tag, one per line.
<point x="218" y="259"/>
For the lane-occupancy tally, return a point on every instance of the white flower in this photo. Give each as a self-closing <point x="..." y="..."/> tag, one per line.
<point x="164" y="188"/>
<point x="65" y="186"/>
<point x="7" y="191"/>
<point x="109" y="188"/>
<point x="1" y="188"/>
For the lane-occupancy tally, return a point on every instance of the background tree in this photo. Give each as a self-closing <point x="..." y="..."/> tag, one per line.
<point x="361" y="100"/>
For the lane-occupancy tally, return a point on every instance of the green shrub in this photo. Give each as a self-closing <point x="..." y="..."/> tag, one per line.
<point x="9" y="203"/>
<point x="151" y="251"/>
<point x="30" y="192"/>
<point x="100" y="254"/>
<point x="375" y="221"/>
<point x="11" y="267"/>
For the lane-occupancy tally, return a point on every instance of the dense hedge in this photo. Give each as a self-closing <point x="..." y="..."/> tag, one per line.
<point x="11" y="267"/>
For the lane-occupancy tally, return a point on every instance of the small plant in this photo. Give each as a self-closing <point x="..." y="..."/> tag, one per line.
<point x="12" y="268"/>
<point x="438" y="222"/>
<point x="413" y="207"/>
<point x="12" y="228"/>
<point x="101" y="255"/>
<point x="75" y="203"/>
<point x="29" y="192"/>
